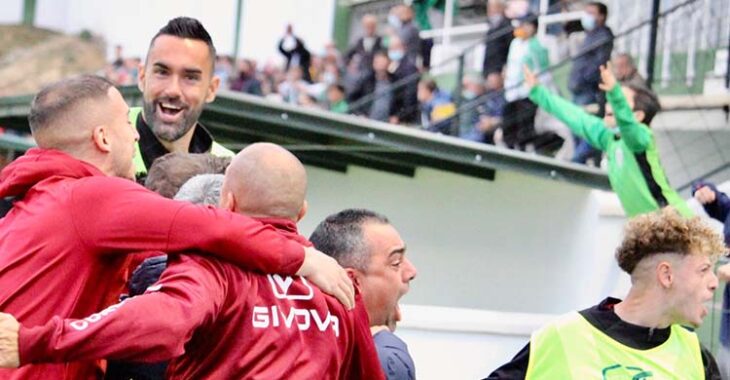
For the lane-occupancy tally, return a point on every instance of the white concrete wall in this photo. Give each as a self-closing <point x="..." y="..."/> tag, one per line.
<point x="132" y="23"/>
<point x="518" y="244"/>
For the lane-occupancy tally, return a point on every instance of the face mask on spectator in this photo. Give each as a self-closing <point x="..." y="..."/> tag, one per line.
<point x="394" y="21"/>
<point x="588" y="22"/>
<point x="468" y="94"/>
<point x="329" y="78"/>
<point x="395" y="55"/>
<point x="494" y="19"/>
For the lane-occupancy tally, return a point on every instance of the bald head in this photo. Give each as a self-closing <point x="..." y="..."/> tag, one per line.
<point x="369" y="24"/>
<point x="266" y="180"/>
<point x="63" y="114"/>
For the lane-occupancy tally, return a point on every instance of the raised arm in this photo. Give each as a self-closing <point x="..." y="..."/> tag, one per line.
<point x="119" y="216"/>
<point x="636" y="135"/>
<point x="583" y="124"/>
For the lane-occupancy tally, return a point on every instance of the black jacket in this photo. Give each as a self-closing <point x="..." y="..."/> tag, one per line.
<point x="405" y="81"/>
<point x="498" y="39"/>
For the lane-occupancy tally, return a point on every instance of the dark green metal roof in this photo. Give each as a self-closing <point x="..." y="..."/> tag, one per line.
<point x="336" y="141"/>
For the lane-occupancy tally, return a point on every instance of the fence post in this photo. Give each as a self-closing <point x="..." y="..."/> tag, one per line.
<point x="237" y="36"/>
<point x="29" y="12"/>
<point x="652" y="42"/>
<point x="456" y="124"/>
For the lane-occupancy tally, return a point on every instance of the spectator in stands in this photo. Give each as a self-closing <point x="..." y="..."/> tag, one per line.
<point x="436" y="107"/>
<point x="246" y="81"/>
<point x="717" y="206"/>
<point x="224" y="70"/>
<point x="332" y="55"/>
<point x="584" y="75"/>
<point x="331" y="74"/>
<point x="404" y="76"/>
<point x="488" y="116"/>
<point x="118" y="57"/>
<point x="272" y="76"/>
<point x="471" y="98"/>
<point x="85" y="149"/>
<point x="336" y="98"/>
<point x="401" y="19"/>
<point x="379" y="88"/>
<point x="519" y="112"/>
<point x="296" y="54"/>
<point x="374" y="254"/>
<point x="626" y="72"/>
<point x="365" y="46"/>
<point x="634" y="169"/>
<point x="357" y="81"/>
<point x="421" y="10"/>
<point x="177" y="81"/>
<point x="670" y="260"/>
<point x="498" y="40"/>
<point x="294" y="85"/>
<point x="202" y="313"/>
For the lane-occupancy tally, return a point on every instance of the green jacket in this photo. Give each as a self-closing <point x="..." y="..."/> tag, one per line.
<point x="634" y="170"/>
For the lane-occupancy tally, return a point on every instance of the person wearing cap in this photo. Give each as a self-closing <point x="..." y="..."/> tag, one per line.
<point x="519" y="112"/>
<point x="650" y="334"/>
<point x="177" y="80"/>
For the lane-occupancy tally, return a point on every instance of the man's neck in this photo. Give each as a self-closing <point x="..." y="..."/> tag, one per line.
<point x="180" y="145"/>
<point x="643" y="309"/>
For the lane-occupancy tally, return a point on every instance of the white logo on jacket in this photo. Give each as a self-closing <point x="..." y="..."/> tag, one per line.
<point x="281" y="288"/>
<point x="275" y="316"/>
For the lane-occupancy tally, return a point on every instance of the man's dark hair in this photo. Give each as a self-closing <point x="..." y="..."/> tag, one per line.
<point x="62" y="98"/>
<point x="336" y="86"/>
<point x="602" y="8"/>
<point x="341" y="236"/>
<point x="169" y="172"/>
<point x="645" y="100"/>
<point x="187" y="27"/>
<point x="430" y="85"/>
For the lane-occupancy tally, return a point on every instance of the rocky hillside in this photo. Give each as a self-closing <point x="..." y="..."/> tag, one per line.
<point x="31" y="58"/>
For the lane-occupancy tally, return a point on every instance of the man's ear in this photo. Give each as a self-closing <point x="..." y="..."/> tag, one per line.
<point x="140" y="76"/>
<point x="303" y="211"/>
<point x="354" y="275"/>
<point x="100" y="139"/>
<point x="664" y="274"/>
<point x="212" y="89"/>
<point x="228" y="201"/>
<point x="639" y="115"/>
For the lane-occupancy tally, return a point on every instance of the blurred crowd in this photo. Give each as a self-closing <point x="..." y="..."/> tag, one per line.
<point x="384" y="75"/>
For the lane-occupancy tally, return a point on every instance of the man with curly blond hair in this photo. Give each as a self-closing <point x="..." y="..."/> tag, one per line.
<point x="648" y="335"/>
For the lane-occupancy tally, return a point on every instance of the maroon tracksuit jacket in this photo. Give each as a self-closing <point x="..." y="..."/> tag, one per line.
<point x="226" y="323"/>
<point x="64" y="244"/>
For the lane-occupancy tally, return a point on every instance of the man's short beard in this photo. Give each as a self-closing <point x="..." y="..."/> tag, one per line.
<point x="170" y="134"/>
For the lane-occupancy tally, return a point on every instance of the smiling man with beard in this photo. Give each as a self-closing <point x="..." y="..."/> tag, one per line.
<point x="176" y="82"/>
<point x="648" y="335"/>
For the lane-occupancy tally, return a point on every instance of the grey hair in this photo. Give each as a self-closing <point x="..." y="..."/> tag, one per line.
<point x="340" y="235"/>
<point x="203" y="189"/>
